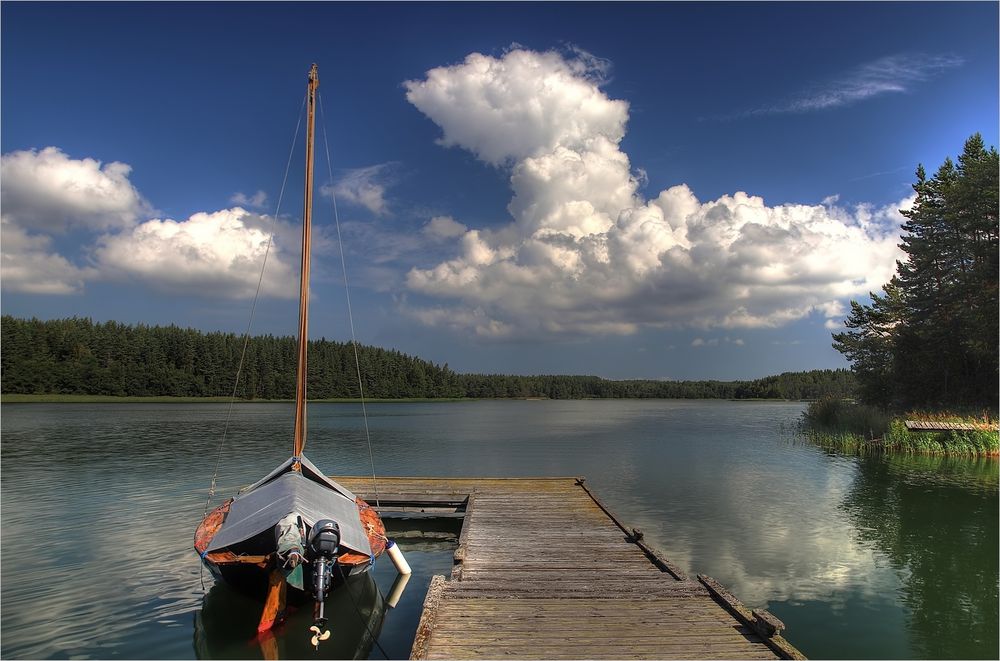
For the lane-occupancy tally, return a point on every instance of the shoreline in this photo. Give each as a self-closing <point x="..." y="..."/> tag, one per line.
<point x="169" y="399"/>
<point x="859" y="429"/>
<point x="18" y="398"/>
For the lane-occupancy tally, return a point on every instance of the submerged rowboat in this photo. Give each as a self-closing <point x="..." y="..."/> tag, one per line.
<point x="295" y="533"/>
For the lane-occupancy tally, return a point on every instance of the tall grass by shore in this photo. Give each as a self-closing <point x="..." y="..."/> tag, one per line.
<point x="856" y="428"/>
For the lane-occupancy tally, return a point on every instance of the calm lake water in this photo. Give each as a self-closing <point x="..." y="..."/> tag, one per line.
<point x="861" y="558"/>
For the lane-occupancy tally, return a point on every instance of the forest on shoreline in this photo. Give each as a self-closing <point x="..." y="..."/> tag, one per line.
<point x="78" y="356"/>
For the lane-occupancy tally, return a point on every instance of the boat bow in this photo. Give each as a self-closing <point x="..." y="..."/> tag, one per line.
<point x="285" y="491"/>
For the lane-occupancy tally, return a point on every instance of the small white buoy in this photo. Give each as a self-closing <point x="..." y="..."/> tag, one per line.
<point x="397" y="590"/>
<point x="398" y="561"/>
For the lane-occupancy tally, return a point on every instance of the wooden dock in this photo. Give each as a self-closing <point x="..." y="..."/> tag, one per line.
<point x="925" y="425"/>
<point x="543" y="569"/>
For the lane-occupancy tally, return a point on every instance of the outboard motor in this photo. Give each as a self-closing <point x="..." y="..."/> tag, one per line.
<point x="324" y="544"/>
<point x="324" y="539"/>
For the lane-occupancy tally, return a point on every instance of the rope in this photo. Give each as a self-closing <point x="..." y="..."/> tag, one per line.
<point x="350" y="313"/>
<point x="253" y="309"/>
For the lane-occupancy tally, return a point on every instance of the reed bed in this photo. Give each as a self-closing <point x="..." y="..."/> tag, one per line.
<point x="855" y="428"/>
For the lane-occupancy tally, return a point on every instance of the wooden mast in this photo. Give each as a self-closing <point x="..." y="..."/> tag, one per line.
<point x="300" y="373"/>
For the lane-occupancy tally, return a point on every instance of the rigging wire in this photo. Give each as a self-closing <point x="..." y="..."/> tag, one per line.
<point x="350" y="313"/>
<point x="253" y="307"/>
<point x="357" y="609"/>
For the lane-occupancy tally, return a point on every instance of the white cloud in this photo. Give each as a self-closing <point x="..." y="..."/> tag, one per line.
<point x="475" y="320"/>
<point x="520" y="105"/>
<point x="28" y="265"/>
<point x="893" y="74"/>
<point x="715" y="341"/>
<point x="379" y="243"/>
<point x="256" y="201"/>
<point x="586" y="254"/>
<point x="210" y="254"/>
<point x="47" y="191"/>
<point x="444" y="227"/>
<point x="364" y="187"/>
<point x="833" y="309"/>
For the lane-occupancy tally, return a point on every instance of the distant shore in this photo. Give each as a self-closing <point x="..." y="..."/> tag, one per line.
<point x="112" y="399"/>
<point x="18" y="398"/>
<point x="80" y="357"/>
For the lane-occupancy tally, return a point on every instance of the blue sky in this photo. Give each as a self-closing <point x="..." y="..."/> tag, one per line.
<point x="648" y="190"/>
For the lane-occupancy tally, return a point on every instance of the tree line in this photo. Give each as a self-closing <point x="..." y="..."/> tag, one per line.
<point x="930" y="338"/>
<point x="80" y="357"/>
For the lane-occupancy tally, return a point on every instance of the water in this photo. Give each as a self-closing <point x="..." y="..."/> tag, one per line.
<point x="861" y="558"/>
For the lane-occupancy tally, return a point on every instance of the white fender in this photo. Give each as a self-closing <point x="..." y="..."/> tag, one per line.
<point x="398" y="561"/>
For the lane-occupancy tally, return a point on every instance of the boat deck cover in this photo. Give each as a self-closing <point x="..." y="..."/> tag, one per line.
<point x="262" y="507"/>
<point x="308" y="469"/>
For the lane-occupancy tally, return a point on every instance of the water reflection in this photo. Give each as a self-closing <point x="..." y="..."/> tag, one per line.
<point x="935" y="519"/>
<point x="861" y="558"/>
<point x="226" y="625"/>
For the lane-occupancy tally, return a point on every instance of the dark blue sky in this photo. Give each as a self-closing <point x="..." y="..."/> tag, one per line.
<point x="827" y="106"/>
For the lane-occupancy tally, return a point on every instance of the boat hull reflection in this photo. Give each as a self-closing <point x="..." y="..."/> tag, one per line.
<point x="226" y="625"/>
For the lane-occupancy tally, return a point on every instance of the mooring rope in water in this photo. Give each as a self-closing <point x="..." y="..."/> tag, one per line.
<point x="253" y="308"/>
<point x="350" y="313"/>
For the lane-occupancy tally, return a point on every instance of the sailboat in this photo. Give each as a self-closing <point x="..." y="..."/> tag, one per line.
<point x="295" y="533"/>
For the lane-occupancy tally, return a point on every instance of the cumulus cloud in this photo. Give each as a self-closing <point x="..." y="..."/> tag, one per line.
<point x="364" y="187"/>
<point x="47" y="194"/>
<point x="47" y="191"/>
<point x="256" y="201"/>
<point x="209" y="254"/>
<point x="523" y="104"/>
<point x="28" y="264"/>
<point x="587" y="254"/>
<point x="444" y="227"/>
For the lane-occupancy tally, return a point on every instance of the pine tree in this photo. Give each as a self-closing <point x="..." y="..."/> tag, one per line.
<point x="870" y="342"/>
<point x="932" y="338"/>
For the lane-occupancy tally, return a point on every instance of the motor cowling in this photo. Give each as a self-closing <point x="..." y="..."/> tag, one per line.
<point x="324" y="539"/>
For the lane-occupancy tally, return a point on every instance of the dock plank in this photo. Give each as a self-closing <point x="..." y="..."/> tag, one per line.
<point x="933" y="426"/>
<point x="544" y="569"/>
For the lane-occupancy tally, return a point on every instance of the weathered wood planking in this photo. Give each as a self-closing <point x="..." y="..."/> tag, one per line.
<point x="924" y="425"/>
<point x="544" y="569"/>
